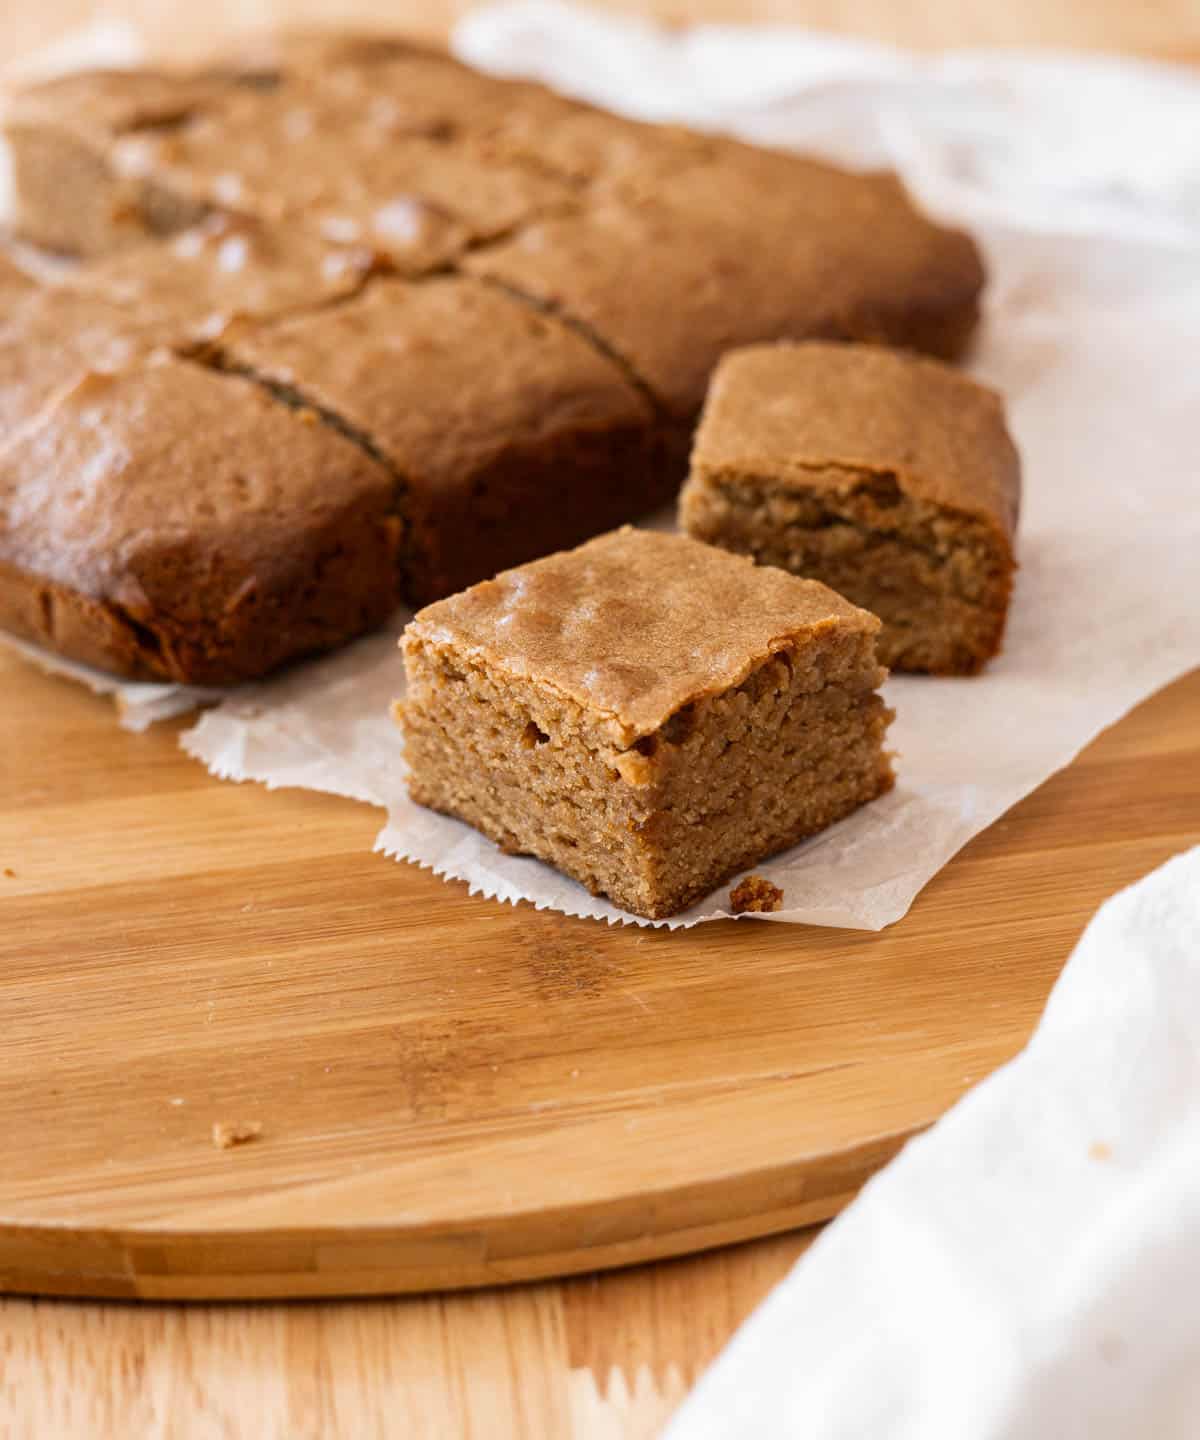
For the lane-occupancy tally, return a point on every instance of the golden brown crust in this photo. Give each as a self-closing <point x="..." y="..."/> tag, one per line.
<point x="228" y="267"/>
<point x="52" y="337"/>
<point x="650" y="715"/>
<point x="205" y="532"/>
<point x="890" y="477"/>
<point x="751" y="246"/>
<point x="628" y="625"/>
<point x="812" y="410"/>
<point x="105" y="316"/>
<point x="390" y="181"/>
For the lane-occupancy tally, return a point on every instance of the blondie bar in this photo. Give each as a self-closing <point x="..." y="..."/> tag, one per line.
<point x="648" y="714"/>
<point x="889" y="477"/>
<point x="183" y="526"/>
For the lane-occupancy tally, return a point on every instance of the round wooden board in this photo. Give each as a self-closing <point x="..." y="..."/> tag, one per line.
<point x="455" y="1092"/>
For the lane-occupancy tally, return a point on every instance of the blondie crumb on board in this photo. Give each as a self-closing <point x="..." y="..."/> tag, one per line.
<point x="228" y="1133"/>
<point x="755" y="894"/>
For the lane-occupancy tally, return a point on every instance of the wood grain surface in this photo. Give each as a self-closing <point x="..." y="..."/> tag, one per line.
<point x="451" y="1091"/>
<point x="170" y="938"/>
<point x="132" y="868"/>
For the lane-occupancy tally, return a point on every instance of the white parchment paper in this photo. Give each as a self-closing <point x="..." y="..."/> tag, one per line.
<point x="1092" y="237"/>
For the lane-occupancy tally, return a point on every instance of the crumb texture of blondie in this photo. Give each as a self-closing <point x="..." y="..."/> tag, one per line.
<point x="889" y="477"/>
<point x="648" y="714"/>
<point x="755" y="895"/>
<point x="228" y="1134"/>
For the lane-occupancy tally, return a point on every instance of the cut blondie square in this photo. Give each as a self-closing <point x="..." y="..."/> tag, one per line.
<point x="889" y="477"/>
<point x="649" y="714"/>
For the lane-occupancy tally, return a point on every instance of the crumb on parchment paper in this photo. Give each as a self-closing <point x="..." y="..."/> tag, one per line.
<point x="755" y="893"/>
<point x="228" y="1133"/>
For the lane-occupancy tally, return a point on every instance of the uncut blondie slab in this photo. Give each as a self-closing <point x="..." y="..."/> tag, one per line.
<point x="648" y="714"/>
<point x="889" y="477"/>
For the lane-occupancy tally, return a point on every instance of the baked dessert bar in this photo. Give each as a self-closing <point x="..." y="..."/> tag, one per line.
<point x="508" y="302"/>
<point x="181" y="524"/>
<point x="648" y="714"/>
<point x="889" y="477"/>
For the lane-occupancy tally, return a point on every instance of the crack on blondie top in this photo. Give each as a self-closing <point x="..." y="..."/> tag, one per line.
<point x="494" y="240"/>
<point x="581" y="328"/>
<point x="47" y="613"/>
<point x="219" y="362"/>
<point x="451" y="267"/>
<point x="148" y="641"/>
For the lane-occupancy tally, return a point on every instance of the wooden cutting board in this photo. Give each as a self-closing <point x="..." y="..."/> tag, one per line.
<point x="455" y="1092"/>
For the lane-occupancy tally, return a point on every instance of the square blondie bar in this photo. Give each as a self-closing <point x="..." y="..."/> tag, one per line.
<point x="888" y="476"/>
<point x="648" y="714"/>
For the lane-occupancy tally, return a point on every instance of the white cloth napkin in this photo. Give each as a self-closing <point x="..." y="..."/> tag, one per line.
<point x="1092" y="234"/>
<point x="1030" y="1268"/>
